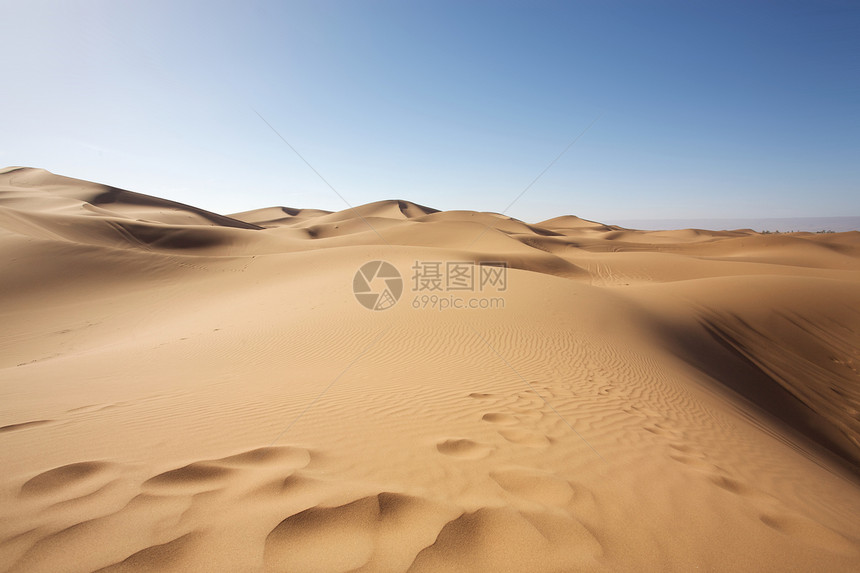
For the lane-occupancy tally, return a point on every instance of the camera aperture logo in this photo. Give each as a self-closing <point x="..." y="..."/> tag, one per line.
<point x="377" y="285"/>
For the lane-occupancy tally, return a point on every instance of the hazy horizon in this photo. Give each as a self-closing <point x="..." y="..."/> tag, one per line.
<point x="760" y="224"/>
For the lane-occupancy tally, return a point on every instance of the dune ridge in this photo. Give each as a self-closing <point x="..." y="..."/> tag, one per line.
<point x="188" y="391"/>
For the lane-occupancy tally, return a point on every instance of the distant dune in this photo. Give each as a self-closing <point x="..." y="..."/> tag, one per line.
<point x="782" y="225"/>
<point x="187" y="391"/>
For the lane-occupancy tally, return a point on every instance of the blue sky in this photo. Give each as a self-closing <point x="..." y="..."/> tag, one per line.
<point x="697" y="109"/>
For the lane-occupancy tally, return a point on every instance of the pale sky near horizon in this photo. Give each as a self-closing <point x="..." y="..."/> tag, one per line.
<point x="697" y="109"/>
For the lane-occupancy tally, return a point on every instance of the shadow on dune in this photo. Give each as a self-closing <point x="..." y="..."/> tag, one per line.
<point x="171" y="238"/>
<point x="750" y="362"/>
<point x="113" y="195"/>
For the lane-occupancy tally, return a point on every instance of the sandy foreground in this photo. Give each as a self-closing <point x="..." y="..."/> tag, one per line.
<point x="185" y="391"/>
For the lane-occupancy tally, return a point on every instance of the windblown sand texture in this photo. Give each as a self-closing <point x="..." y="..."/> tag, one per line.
<point x="186" y="391"/>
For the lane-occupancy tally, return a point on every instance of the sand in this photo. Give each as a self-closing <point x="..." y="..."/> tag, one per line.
<point x="186" y="391"/>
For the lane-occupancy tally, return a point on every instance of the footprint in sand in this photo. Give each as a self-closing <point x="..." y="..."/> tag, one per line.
<point x="382" y="532"/>
<point x="642" y="412"/>
<point x="294" y="484"/>
<point x="693" y="462"/>
<point x="463" y="448"/>
<point x="505" y="539"/>
<point x="195" y="476"/>
<point x="731" y="484"/>
<point x="808" y="530"/>
<point x="781" y="519"/>
<point x="208" y="475"/>
<point x="69" y="479"/>
<point x="661" y="429"/>
<point x="683" y="448"/>
<point x="500" y="418"/>
<point x="525" y="438"/>
<point x="534" y="485"/>
<point x="531" y="414"/>
<point x="691" y="457"/>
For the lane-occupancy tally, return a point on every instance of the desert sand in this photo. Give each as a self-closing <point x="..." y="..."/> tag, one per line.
<point x="187" y="391"/>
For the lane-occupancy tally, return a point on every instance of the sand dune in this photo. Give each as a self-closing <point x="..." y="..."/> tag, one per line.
<point x="278" y="216"/>
<point x="185" y="391"/>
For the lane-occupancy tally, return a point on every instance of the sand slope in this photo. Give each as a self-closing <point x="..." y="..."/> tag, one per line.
<point x="185" y="391"/>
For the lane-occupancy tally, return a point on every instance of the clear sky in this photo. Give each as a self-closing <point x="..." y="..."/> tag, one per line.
<point x="697" y="109"/>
